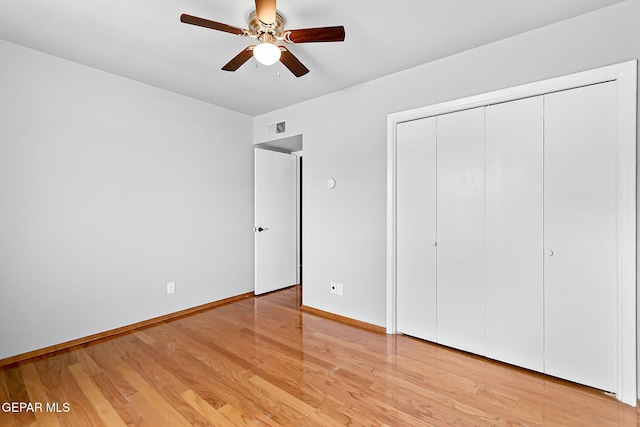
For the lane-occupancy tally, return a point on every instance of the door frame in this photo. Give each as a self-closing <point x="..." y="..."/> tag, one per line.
<point x="290" y="145"/>
<point x="625" y="76"/>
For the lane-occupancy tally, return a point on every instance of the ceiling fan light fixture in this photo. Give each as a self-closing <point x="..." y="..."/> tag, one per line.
<point x="267" y="53"/>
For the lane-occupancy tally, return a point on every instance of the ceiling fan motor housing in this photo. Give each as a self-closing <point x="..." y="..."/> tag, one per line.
<point x="258" y="28"/>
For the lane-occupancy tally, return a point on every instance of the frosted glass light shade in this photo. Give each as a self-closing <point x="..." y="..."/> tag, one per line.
<point x="267" y="53"/>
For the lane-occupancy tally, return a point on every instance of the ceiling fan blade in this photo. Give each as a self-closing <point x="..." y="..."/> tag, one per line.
<point x="239" y="59"/>
<point x="312" y="35"/>
<point x="292" y="63"/>
<point x="266" y="11"/>
<point x="201" y="22"/>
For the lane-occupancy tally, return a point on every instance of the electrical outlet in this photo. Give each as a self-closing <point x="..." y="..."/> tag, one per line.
<point x="340" y="289"/>
<point x="171" y="288"/>
<point x="333" y="287"/>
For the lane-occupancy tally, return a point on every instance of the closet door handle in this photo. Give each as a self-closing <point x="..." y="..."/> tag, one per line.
<point x="434" y="244"/>
<point x="548" y="252"/>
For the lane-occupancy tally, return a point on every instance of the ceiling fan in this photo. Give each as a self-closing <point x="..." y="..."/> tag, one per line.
<point x="267" y="27"/>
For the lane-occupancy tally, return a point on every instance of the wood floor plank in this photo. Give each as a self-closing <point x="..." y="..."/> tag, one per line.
<point x="63" y="389"/>
<point x="110" y="386"/>
<point x="154" y="371"/>
<point x="18" y="393"/>
<point x="260" y="361"/>
<point x="312" y="413"/>
<point x="135" y="355"/>
<point x="37" y="394"/>
<point x="206" y="410"/>
<point x="237" y="391"/>
<point x="242" y="419"/>
<point x="144" y="337"/>
<point x="88" y="364"/>
<point x="237" y="417"/>
<point x="6" y="418"/>
<point x="451" y="398"/>
<point x="154" y="397"/>
<point x="98" y="401"/>
<point x="229" y="369"/>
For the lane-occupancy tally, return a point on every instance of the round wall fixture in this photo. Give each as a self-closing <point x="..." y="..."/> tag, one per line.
<point x="331" y="183"/>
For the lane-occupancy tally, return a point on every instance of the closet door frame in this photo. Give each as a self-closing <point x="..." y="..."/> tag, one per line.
<point x="625" y="76"/>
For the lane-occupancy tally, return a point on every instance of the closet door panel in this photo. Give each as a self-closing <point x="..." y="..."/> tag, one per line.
<point x="460" y="212"/>
<point x="416" y="228"/>
<point x="581" y="191"/>
<point x="513" y="227"/>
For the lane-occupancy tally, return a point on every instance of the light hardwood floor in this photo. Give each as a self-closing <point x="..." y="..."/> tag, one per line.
<point x="261" y="361"/>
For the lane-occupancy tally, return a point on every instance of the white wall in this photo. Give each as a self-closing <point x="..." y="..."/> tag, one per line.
<point x="345" y="138"/>
<point x="109" y="189"/>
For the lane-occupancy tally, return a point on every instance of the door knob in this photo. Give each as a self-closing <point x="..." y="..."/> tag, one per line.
<point x="548" y="252"/>
<point x="435" y="244"/>
<point x="259" y="229"/>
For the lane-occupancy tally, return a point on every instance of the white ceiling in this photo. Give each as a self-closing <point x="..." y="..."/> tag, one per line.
<point x="144" y="40"/>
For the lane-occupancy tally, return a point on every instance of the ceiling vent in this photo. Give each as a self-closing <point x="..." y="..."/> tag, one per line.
<point x="276" y="128"/>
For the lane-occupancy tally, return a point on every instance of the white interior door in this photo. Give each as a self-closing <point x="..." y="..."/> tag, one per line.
<point x="581" y="193"/>
<point x="513" y="227"/>
<point x="416" y="228"/>
<point x="460" y="206"/>
<point x="275" y="220"/>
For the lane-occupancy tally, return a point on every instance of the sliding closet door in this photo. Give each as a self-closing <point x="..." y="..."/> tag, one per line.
<point x="460" y="206"/>
<point x="513" y="227"/>
<point x="416" y="228"/>
<point x="581" y="193"/>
